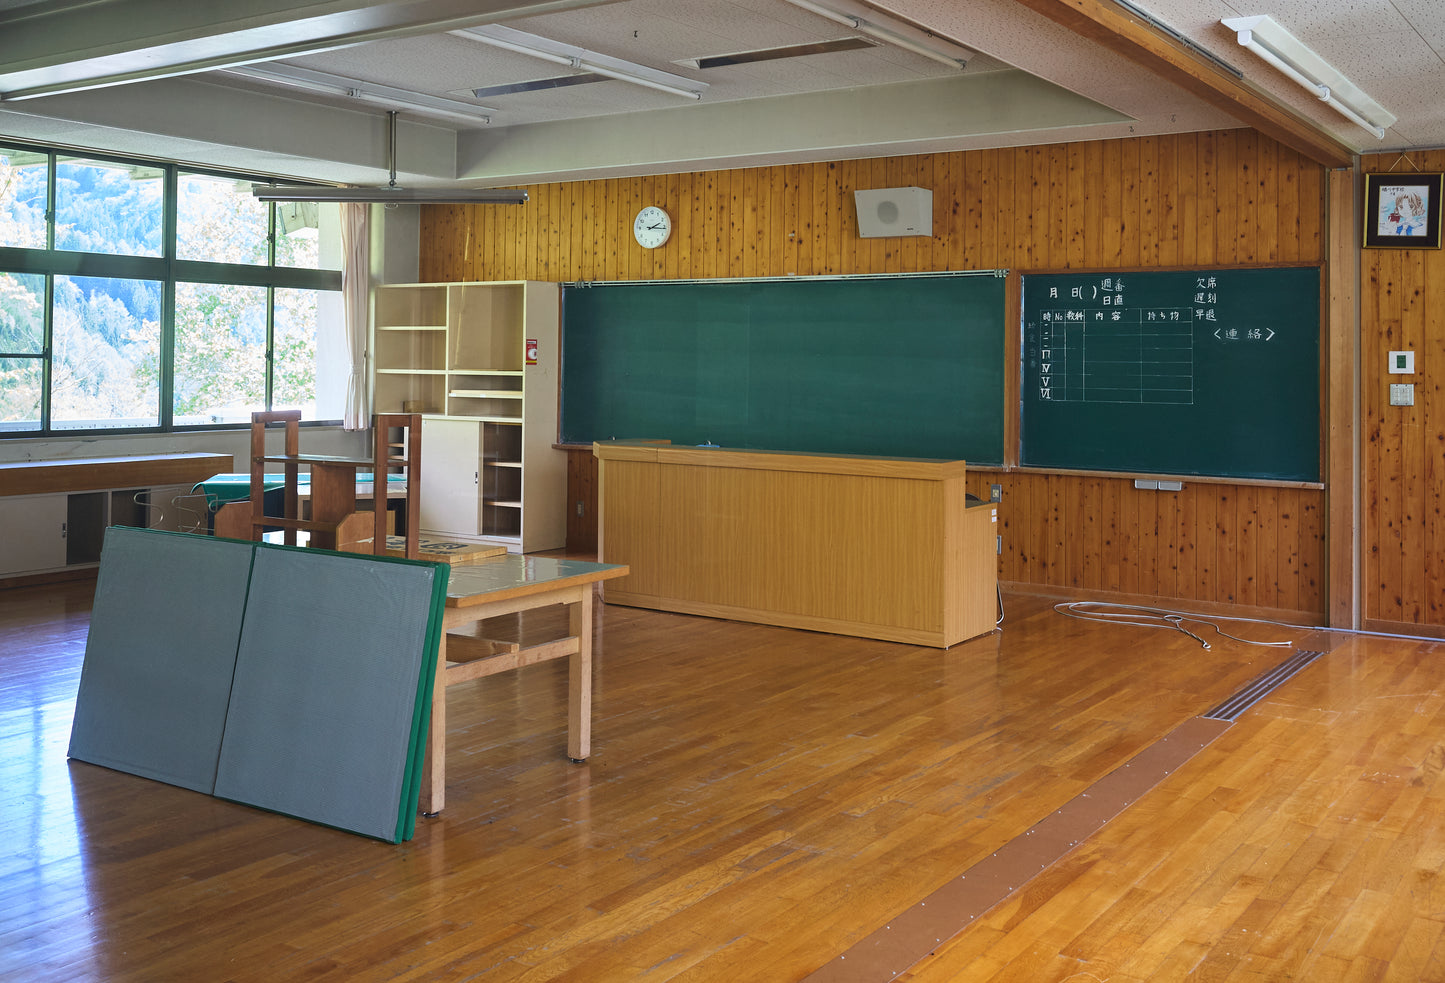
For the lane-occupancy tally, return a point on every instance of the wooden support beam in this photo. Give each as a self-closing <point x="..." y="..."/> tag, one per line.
<point x="1114" y="27"/>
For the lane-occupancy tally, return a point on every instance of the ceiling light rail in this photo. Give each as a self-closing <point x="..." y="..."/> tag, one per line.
<point x="1281" y="49"/>
<point x="535" y="46"/>
<point x="899" y="35"/>
<point x="368" y="92"/>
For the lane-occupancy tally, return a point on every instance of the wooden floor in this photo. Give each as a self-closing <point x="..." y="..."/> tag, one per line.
<point x="758" y="801"/>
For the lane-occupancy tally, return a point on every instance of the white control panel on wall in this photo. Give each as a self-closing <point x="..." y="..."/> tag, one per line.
<point x="1402" y="363"/>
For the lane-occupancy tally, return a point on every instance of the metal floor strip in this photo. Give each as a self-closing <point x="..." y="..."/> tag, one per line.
<point x="1260" y="687"/>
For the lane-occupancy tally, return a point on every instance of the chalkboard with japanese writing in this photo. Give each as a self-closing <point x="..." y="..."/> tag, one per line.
<point x="1213" y="372"/>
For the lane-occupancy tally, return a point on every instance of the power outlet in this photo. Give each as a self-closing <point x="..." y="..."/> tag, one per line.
<point x="995" y="493"/>
<point x="998" y="545"/>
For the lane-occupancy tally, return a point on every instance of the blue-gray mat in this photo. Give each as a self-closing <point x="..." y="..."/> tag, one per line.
<point x="296" y="680"/>
<point x="321" y="717"/>
<point x="160" y="655"/>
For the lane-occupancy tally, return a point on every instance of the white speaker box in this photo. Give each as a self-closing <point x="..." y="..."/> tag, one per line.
<point x="894" y="212"/>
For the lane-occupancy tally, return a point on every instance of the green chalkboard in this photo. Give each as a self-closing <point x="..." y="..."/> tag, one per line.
<point x="1213" y="372"/>
<point x="897" y="366"/>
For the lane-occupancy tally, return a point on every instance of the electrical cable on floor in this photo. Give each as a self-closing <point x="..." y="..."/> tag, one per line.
<point x="999" y="588"/>
<point x="1147" y="617"/>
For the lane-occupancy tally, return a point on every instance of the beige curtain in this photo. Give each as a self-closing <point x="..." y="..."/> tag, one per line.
<point x="355" y="288"/>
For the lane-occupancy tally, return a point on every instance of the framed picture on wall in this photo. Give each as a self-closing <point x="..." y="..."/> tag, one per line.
<point x="1402" y="211"/>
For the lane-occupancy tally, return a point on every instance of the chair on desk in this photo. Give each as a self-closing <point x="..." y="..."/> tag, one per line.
<point x="334" y="522"/>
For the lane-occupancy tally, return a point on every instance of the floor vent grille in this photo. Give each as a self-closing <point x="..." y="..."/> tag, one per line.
<point x="1261" y="686"/>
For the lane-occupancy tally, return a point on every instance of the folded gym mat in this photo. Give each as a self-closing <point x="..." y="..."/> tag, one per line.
<point x="295" y="680"/>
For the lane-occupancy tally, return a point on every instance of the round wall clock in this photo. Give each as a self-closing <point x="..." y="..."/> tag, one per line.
<point x="652" y="227"/>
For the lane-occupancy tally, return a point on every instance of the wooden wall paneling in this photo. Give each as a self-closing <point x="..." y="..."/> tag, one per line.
<point x="1185" y="561"/>
<point x="1111" y="239"/>
<point x="1162" y="536"/>
<point x="989" y="252"/>
<point x="1342" y="360"/>
<point x="875" y="254"/>
<point x="779" y="258"/>
<point x="1247" y="552"/>
<point x="1267" y="201"/>
<point x="560" y="252"/>
<point x="1205" y="535"/>
<point x="1413" y="439"/>
<point x="1272" y="548"/>
<point x="1056" y="162"/>
<point x="585" y="194"/>
<point x="854" y="252"/>
<point x="1287" y="592"/>
<point x="1023" y="216"/>
<point x="1312" y="561"/>
<point x="532" y="254"/>
<point x="1086" y="522"/>
<point x="1246" y="198"/>
<point x="1388" y="537"/>
<point x="1227" y="563"/>
<point x="1290" y="204"/>
<point x="1091" y="212"/>
<point x="1131" y="234"/>
<point x="917" y="250"/>
<point x="730" y="220"/>
<point x="1312" y="229"/>
<point x="1226" y="227"/>
<point x="1205" y="248"/>
<point x="1173" y="199"/>
<point x="1075" y="204"/>
<point x="608" y="240"/>
<point x="1143" y="533"/>
<point x="1149" y="230"/>
<point x="967" y="252"/>
<point x="946" y="176"/>
<point x="1012" y="356"/>
<point x="749" y="203"/>
<point x="1118" y="567"/>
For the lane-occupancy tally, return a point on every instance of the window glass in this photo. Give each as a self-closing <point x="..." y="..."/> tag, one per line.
<point x="20" y="380"/>
<point x="23" y="183"/>
<point x="308" y="235"/>
<point x="105" y="362"/>
<point x="220" y="353"/>
<point x="103" y="207"/>
<point x="218" y="221"/>
<point x="22" y="313"/>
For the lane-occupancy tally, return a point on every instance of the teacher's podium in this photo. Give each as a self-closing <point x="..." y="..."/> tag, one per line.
<point x="877" y="547"/>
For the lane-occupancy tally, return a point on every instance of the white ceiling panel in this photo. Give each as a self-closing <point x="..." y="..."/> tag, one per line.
<point x="1390" y="48"/>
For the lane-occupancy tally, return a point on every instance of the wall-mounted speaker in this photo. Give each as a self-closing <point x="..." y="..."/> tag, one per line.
<point x="894" y="212"/>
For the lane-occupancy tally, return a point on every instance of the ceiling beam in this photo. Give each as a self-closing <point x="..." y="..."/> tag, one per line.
<point x="49" y="49"/>
<point x="1114" y="27"/>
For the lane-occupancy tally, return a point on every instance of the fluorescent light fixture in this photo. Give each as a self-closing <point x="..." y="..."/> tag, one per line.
<point x="900" y="35"/>
<point x="582" y="60"/>
<point x="387" y="196"/>
<point x="368" y="92"/>
<point x="1287" y="53"/>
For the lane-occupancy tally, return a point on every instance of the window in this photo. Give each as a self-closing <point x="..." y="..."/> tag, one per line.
<point x="107" y="323"/>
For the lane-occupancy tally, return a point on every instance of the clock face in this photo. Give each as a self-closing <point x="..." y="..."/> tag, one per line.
<point x="652" y="227"/>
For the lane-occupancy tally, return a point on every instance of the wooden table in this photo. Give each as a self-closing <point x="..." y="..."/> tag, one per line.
<point x="504" y="585"/>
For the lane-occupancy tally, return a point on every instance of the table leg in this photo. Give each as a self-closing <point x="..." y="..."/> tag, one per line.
<point x="434" y="768"/>
<point x="579" y="680"/>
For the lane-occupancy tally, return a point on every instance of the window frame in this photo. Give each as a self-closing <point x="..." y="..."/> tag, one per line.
<point x="166" y="268"/>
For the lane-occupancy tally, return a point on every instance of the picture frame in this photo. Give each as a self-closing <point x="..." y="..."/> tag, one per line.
<point x="1402" y="211"/>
